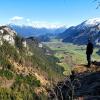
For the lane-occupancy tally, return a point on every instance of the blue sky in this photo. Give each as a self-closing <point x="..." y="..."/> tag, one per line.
<point x="69" y="12"/>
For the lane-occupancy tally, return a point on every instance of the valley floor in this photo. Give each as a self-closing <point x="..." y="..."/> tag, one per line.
<point x="87" y="80"/>
<point x="69" y="54"/>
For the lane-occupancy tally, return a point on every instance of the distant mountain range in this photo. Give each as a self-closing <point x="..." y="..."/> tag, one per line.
<point x="27" y="31"/>
<point x="81" y="33"/>
<point x="75" y="34"/>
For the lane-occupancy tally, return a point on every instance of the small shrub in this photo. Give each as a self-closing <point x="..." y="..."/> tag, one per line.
<point x="6" y="73"/>
<point x="28" y="79"/>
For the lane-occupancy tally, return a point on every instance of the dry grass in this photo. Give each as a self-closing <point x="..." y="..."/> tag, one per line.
<point x="84" y="68"/>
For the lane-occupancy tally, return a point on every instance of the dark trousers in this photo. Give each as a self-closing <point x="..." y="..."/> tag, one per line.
<point x="89" y="59"/>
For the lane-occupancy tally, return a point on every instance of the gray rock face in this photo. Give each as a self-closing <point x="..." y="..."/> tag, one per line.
<point x="7" y="34"/>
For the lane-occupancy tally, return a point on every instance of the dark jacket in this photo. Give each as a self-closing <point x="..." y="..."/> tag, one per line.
<point x="89" y="49"/>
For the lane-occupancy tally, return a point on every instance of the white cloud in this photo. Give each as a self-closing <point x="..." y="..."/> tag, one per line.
<point x="16" y="19"/>
<point x="39" y="24"/>
<point x="28" y="20"/>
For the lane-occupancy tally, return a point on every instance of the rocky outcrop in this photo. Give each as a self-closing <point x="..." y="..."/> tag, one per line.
<point x="7" y="34"/>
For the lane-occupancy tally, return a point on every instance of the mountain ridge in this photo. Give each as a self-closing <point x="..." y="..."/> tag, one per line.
<point x="27" y="31"/>
<point x="79" y="34"/>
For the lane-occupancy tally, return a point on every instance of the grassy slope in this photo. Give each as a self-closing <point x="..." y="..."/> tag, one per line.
<point x="76" y="54"/>
<point x="17" y="76"/>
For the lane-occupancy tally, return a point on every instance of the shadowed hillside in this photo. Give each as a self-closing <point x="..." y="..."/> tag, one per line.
<point x="85" y="86"/>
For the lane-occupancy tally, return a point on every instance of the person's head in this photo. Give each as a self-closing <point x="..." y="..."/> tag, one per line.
<point x="89" y="40"/>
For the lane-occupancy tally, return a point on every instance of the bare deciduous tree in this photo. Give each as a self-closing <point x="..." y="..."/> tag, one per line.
<point x="98" y="3"/>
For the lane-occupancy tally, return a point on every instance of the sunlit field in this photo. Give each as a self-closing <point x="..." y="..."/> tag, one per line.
<point x="70" y="54"/>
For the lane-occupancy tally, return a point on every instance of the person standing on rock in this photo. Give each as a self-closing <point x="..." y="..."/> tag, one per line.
<point x="89" y="51"/>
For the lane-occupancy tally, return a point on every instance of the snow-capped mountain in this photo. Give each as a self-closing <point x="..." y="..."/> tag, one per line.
<point x="92" y="22"/>
<point x="27" y="31"/>
<point x="79" y="34"/>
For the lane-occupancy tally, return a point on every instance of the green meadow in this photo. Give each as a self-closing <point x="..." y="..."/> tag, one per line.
<point x="69" y="54"/>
